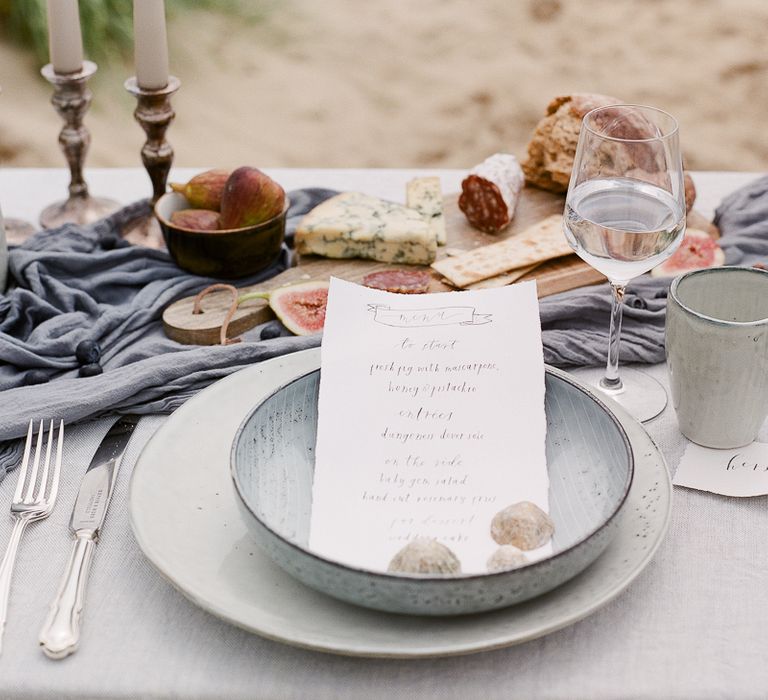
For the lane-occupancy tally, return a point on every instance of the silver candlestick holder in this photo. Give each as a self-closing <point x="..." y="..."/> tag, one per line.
<point x="154" y="113"/>
<point x="17" y="230"/>
<point x="71" y="98"/>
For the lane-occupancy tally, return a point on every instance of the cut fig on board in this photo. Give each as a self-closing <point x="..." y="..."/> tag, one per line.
<point x="300" y="307"/>
<point x="697" y="251"/>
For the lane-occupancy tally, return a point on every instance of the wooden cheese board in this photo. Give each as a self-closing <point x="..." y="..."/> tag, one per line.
<point x="552" y="277"/>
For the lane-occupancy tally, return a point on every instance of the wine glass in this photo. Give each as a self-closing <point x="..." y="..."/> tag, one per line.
<point x="625" y="214"/>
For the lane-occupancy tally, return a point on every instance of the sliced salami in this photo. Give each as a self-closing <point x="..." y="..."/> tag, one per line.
<point x="490" y="192"/>
<point x="399" y="281"/>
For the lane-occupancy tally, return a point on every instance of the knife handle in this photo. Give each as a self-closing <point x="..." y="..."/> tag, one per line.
<point x="61" y="631"/>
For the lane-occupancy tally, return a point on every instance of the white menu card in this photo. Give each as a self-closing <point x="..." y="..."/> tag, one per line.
<point x="431" y="420"/>
<point x="742" y="471"/>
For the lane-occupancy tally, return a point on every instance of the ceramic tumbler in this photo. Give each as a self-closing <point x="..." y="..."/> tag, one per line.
<point x="717" y="354"/>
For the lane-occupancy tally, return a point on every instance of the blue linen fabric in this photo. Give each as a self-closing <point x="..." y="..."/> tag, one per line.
<point x="85" y="283"/>
<point x="80" y="283"/>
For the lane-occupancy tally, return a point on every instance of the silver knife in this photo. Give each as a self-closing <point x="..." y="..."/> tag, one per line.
<point x="61" y="632"/>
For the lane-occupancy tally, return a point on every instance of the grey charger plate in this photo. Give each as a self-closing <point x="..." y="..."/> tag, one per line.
<point x="590" y="466"/>
<point x="184" y="514"/>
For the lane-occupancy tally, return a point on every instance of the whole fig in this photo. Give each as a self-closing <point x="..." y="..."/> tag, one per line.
<point x="196" y="219"/>
<point x="204" y="190"/>
<point x="250" y="197"/>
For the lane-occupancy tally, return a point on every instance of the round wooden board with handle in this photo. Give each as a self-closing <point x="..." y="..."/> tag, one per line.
<point x="552" y="277"/>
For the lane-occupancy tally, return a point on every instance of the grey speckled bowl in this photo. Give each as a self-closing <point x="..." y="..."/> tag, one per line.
<point x="590" y="468"/>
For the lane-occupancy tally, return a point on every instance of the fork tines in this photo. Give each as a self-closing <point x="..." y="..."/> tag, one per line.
<point x="34" y="487"/>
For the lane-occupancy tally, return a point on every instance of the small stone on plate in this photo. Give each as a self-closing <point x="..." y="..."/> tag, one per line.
<point x="523" y="525"/>
<point x="506" y="557"/>
<point x="425" y="556"/>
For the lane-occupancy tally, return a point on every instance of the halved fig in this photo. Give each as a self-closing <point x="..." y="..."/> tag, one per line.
<point x="301" y="307"/>
<point x="697" y="251"/>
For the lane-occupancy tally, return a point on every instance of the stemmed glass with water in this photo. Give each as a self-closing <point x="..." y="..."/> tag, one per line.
<point x="624" y="215"/>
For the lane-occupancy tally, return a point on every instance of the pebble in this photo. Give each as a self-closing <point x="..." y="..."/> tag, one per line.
<point x="425" y="556"/>
<point x="506" y="557"/>
<point x="523" y="525"/>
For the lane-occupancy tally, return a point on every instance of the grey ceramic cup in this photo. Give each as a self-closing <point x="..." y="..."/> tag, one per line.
<point x="717" y="354"/>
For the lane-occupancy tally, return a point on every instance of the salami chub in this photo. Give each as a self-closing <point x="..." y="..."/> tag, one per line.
<point x="490" y="192"/>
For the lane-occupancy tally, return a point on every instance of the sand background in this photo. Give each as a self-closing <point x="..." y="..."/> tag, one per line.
<point x="434" y="83"/>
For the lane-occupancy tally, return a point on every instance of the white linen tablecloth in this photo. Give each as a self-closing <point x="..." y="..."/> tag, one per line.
<point x="693" y="625"/>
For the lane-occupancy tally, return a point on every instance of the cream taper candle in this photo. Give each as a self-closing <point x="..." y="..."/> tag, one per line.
<point x="65" y="42"/>
<point x="150" y="44"/>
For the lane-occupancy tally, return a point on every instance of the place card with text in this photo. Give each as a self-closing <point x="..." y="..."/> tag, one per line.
<point x="742" y="471"/>
<point x="431" y="421"/>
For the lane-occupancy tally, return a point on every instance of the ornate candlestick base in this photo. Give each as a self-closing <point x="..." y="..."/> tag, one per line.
<point x="71" y="98"/>
<point x="146" y="232"/>
<point x="77" y="210"/>
<point x="155" y="114"/>
<point x="17" y="230"/>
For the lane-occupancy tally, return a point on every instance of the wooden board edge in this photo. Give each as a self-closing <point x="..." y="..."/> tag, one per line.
<point x="245" y="319"/>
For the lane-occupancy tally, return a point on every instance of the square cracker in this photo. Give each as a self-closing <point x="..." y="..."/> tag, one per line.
<point x="539" y="242"/>
<point x="503" y="279"/>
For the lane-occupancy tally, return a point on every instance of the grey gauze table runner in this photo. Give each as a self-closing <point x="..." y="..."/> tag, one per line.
<point x="84" y="283"/>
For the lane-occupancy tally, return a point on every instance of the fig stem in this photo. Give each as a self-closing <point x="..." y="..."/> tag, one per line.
<point x="252" y="295"/>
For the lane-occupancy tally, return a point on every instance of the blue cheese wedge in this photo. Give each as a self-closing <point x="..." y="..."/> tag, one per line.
<point x="355" y="225"/>
<point x="424" y="195"/>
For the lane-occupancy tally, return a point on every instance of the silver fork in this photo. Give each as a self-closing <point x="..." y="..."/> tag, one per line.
<point x="33" y="500"/>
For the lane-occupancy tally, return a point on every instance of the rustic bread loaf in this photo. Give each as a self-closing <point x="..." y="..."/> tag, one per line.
<point x="690" y="191"/>
<point x="553" y="145"/>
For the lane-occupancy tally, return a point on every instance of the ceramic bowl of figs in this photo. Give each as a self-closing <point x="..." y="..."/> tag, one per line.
<point x="590" y="464"/>
<point x="224" y="224"/>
